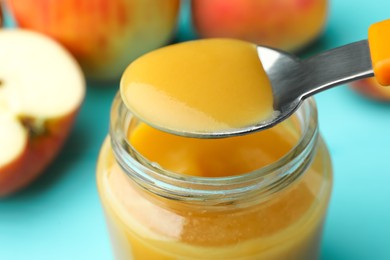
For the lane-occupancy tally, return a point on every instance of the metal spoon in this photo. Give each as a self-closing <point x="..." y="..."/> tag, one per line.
<point x="294" y="80"/>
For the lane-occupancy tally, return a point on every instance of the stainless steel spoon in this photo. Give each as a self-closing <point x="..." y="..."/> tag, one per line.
<point x="293" y="80"/>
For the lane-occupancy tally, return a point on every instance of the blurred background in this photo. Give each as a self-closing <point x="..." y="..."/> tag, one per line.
<point x="59" y="215"/>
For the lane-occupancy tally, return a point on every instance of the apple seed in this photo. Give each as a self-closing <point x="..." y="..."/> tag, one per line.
<point x="33" y="126"/>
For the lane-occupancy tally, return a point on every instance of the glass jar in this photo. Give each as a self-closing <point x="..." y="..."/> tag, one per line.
<point x="275" y="212"/>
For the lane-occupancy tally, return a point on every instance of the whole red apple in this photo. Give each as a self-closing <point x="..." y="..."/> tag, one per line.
<point x="371" y="88"/>
<point x="41" y="90"/>
<point x="283" y="24"/>
<point x="103" y="35"/>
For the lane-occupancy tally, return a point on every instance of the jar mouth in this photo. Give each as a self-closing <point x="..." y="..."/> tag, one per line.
<point x="266" y="180"/>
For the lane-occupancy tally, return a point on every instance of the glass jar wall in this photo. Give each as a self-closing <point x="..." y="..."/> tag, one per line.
<point x="274" y="209"/>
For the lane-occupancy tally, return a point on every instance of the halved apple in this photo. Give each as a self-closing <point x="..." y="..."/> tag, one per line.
<point x="41" y="90"/>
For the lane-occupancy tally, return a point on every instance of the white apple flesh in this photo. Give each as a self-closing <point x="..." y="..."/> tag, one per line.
<point x="41" y="89"/>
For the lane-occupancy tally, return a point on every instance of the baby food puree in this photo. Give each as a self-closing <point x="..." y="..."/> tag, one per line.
<point x="204" y="85"/>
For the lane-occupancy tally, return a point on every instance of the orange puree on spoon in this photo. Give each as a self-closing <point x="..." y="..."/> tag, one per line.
<point x="205" y="85"/>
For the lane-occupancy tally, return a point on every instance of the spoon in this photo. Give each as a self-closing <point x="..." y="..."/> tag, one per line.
<point x="293" y="80"/>
<point x="202" y="109"/>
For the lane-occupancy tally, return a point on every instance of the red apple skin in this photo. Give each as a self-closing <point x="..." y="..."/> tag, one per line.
<point x="103" y="35"/>
<point x="282" y="24"/>
<point x="1" y="16"/>
<point x="372" y="89"/>
<point x="39" y="152"/>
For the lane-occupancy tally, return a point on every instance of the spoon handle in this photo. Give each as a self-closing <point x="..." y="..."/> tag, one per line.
<point x="337" y="66"/>
<point x="379" y="41"/>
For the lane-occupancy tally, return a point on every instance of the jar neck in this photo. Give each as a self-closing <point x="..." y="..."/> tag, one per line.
<point x="256" y="185"/>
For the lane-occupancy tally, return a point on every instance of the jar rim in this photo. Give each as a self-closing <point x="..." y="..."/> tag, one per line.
<point x="266" y="180"/>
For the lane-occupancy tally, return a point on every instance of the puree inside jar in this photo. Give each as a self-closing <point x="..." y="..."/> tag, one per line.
<point x="149" y="227"/>
<point x="213" y="157"/>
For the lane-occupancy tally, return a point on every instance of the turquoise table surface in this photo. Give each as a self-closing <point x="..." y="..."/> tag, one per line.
<point x="60" y="217"/>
